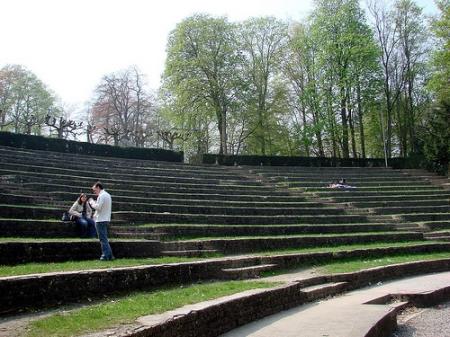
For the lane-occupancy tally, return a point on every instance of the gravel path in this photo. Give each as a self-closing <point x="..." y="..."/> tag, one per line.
<point x="427" y="322"/>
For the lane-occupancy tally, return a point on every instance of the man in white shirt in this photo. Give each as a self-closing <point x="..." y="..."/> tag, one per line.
<point x="102" y="218"/>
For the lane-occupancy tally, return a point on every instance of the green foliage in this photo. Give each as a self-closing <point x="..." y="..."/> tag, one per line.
<point x="202" y="73"/>
<point x="436" y="131"/>
<point x="24" y="100"/>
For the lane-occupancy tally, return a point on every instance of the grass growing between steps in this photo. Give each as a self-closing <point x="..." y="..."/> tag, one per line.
<point x="123" y="310"/>
<point x="287" y="236"/>
<point x="339" y="248"/>
<point x="45" y="267"/>
<point x="356" y="264"/>
<point x="359" y="264"/>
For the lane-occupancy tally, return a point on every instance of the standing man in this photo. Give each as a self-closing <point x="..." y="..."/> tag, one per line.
<point x="102" y="218"/>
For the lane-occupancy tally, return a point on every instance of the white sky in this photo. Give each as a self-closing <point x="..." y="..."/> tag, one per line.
<point x="71" y="44"/>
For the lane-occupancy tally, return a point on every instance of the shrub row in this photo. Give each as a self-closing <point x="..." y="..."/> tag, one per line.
<point x="70" y="146"/>
<point x="290" y="161"/>
<point x="253" y="160"/>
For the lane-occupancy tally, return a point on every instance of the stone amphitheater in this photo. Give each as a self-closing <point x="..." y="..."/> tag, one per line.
<point x="232" y="222"/>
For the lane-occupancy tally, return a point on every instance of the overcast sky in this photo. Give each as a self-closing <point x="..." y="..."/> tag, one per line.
<point x="71" y="44"/>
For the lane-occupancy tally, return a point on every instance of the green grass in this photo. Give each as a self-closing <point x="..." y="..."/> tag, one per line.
<point x="339" y="248"/>
<point x="306" y="235"/>
<point x="37" y="268"/>
<point x="356" y="264"/>
<point x="359" y="264"/>
<point x="124" y="310"/>
<point x="24" y="239"/>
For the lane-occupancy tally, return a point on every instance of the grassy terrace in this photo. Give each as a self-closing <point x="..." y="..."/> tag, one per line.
<point x="112" y="312"/>
<point x="345" y="266"/>
<point x="209" y="238"/>
<point x="37" y="268"/>
<point x="200" y="238"/>
<point x="116" y="311"/>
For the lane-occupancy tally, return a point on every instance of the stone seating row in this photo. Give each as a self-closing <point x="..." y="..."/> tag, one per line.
<point x="26" y="251"/>
<point x="129" y="174"/>
<point x="43" y="211"/>
<point x="21" y="293"/>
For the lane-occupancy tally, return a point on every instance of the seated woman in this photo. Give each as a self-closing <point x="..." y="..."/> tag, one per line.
<point x="81" y="212"/>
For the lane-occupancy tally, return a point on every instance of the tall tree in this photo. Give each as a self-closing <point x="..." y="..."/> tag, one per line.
<point x="24" y="100"/>
<point x="302" y="70"/>
<point x="436" y="128"/>
<point x="263" y="44"/>
<point x="412" y="35"/>
<point x="202" y="68"/>
<point x="347" y="50"/>
<point x="122" y="108"/>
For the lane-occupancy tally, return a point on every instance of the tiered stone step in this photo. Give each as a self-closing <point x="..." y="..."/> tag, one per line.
<point x="26" y="251"/>
<point x="324" y="290"/>
<point x="246" y="245"/>
<point x="434" y="225"/>
<point x="189" y="252"/>
<point x="148" y="217"/>
<point x="185" y="230"/>
<point x="433" y="178"/>
<point x="247" y="272"/>
<point x="350" y="197"/>
<point x="406" y="200"/>
<point x="438" y="235"/>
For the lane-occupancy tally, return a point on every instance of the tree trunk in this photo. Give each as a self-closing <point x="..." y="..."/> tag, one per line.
<point x="345" y="149"/>
<point x="304" y="134"/>
<point x="361" y="122"/>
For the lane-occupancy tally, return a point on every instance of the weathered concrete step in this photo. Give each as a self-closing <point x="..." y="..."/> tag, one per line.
<point x="399" y="203"/>
<point x="136" y="190"/>
<point x="358" y="184"/>
<point x="278" y="197"/>
<point x="29" y="212"/>
<point x="37" y="228"/>
<point x="25" y="196"/>
<point x="181" y="171"/>
<point x="411" y="228"/>
<point x="189" y="253"/>
<point x="345" y="194"/>
<point x="135" y="178"/>
<point x="49" y="290"/>
<point x="56" y="191"/>
<point x="378" y="189"/>
<point x="440" y="238"/>
<point x="232" y="231"/>
<point x="350" y="197"/>
<point x="28" y="178"/>
<point x="247" y="245"/>
<point x="324" y="290"/>
<point x="439" y="224"/>
<point x="98" y="161"/>
<point x="237" y="211"/>
<point x="26" y="251"/>
<point x="339" y="172"/>
<point x="135" y="235"/>
<point x="405" y="209"/>
<point x="423" y="217"/>
<point x="35" y="212"/>
<point x="319" y="178"/>
<point x="148" y="217"/>
<point x="246" y="272"/>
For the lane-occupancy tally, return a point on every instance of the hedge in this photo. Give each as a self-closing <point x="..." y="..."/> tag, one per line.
<point x="229" y="160"/>
<point x="289" y="161"/>
<point x="70" y="146"/>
